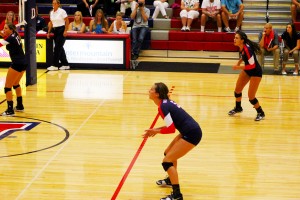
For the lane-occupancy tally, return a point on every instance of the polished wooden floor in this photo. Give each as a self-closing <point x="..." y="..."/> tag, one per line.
<point x="91" y="125"/>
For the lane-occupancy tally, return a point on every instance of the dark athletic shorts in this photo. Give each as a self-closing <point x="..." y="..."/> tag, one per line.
<point x="19" y="67"/>
<point x="193" y="136"/>
<point x="254" y="72"/>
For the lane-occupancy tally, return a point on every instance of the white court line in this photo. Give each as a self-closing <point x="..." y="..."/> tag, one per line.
<point x="61" y="148"/>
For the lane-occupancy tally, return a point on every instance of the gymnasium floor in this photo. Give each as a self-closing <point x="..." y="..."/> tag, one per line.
<point x="86" y="129"/>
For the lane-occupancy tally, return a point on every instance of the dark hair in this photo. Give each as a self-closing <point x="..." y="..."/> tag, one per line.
<point x="12" y="27"/>
<point x="294" y="31"/>
<point x="162" y="90"/>
<point x="254" y="46"/>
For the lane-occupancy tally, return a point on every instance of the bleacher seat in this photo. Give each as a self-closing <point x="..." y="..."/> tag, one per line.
<point x="195" y="41"/>
<point x="9" y="7"/>
<point x="61" y="1"/>
<point x="9" y="1"/>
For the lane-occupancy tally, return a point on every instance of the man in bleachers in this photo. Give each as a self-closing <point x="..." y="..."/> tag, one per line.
<point x="140" y="27"/>
<point x="294" y="8"/>
<point x="269" y="45"/>
<point x="88" y="7"/>
<point x="232" y="9"/>
<point x="211" y="10"/>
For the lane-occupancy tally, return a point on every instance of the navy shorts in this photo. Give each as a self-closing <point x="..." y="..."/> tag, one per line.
<point x="193" y="136"/>
<point x="254" y="72"/>
<point x="19" y="67"/>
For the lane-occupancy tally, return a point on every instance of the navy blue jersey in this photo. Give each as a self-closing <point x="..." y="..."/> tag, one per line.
<point x="175" y="117"/>
<point x="14" y="46"/>
<point x="249" y="58"/>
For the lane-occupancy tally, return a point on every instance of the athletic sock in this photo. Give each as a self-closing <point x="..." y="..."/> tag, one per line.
<point x="259" y="110"/>
<point x="19" y="101"/>
<point x="176" y="190"/>
<point x="238" y="104"/>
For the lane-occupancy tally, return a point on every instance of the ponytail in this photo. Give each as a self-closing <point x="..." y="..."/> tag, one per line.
<point x="253" y="45"/>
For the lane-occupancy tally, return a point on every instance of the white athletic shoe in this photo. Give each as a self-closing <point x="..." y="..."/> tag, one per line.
<point x="52" y="68"/>
<point x="64" y="67"/>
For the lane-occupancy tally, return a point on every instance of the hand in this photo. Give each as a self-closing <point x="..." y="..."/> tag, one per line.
<point x="65" y="33"/>
<point x="150" y="133"/>
<point x="236" y="67"/>
<point x="48" y="35"/>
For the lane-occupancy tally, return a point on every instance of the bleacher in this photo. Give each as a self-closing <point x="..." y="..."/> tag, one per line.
<point x="164" y="34"/>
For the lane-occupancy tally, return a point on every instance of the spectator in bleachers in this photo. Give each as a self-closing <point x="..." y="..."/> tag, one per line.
<point x="99" y="24"/>
<point x="160" y="6"/>
<point x="118" y="26"/>
<point x="140" y="27"/>
<point x="108" y="7"/>
<point x="268" y="42"/>
<point x="211" y="10"/>
<point x="10" y="18"/>
<point x="291" y="39"/>
<point x="189" y="12"/>
<point x="88" y="8"/>
<point x="40" y="21"/>
<point x="77" y="24"/>
<point x="59" y="22"/>
<point x="126" y="4"/>
<point x="294" y="8"/>
<point x="232" y="9"/>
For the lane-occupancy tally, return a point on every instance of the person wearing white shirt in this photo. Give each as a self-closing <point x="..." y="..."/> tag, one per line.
<point x="59" y="22"/>
<point x="189" y="12"/>
<point x="211" y="10"/>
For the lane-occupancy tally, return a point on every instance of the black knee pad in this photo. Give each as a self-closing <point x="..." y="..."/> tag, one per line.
<point x="253" y="101"/>
<point x="167" y="165"/>
<point x="6" y="90"/>
<point x="16" y="86"/>
<point x="236" y="95"/>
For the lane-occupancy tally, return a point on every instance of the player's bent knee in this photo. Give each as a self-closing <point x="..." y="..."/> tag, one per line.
<point x="237" y="95"/>
<point x="16" y="86"/>
<point x="253" y="101"/>
<point x="6" y="90"/>
<point x="167" y="165"/>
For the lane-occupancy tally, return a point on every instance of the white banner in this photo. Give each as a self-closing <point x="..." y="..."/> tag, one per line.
<point x="95" y="51"/>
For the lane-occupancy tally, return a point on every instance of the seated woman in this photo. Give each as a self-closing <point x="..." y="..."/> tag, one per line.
<point x="118" y="26"/>
<point x="77" y="24"/>
<point x="10" y="18"/>
<point x="99" y="24"/>
<point x="291" y="40"/>
<point x="189" y="12"/>
<point x="160" y="6"/>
